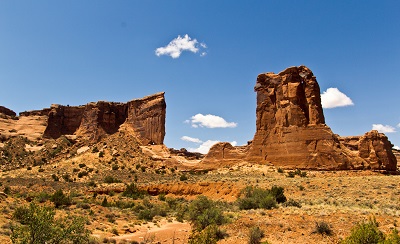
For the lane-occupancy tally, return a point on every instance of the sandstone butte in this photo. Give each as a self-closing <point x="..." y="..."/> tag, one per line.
<point x="144" y="117"/>
<point x="291" y="131"/>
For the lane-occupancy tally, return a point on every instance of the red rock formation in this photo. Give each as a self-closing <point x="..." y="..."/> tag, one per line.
<point x="145" y="117"/>
<point x="7" y="111"/>
<point x="291" y="130"/>
<point x="374" y="148"/>
<point x="222" y="154"/>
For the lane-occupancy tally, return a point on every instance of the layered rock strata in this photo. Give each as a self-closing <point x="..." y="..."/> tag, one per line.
<point x="145" y="117"/>
<point x="291" y="130"/>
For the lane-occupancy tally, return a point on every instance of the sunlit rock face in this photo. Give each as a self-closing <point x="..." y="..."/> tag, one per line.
<point x="291" y="130"/>
<point x="144" y="117"/>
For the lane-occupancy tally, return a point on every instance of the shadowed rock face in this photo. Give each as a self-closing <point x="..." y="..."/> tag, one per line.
<point x="144" y="117"/>
<point x="7" y="111"/>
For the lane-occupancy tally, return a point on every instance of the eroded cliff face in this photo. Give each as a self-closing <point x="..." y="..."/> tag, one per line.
<point x="145" y="117"/>
<point x="291" y="131"/>
<point x="374" y="148"/>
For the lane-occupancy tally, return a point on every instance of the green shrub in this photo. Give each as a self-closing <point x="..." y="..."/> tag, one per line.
<point x="204" y="212"/>
<point x="36" y="225"/>
<point x="132" y="191"/>
<point x="82" y="165"/>
<point x="280" y="170"/>
<point x="323" y="228"/>
<point x="210" y="235"/>
<point x="7" y="190"/>
<point x="255" y="235"/>
<point x="82" y="174"/>
<point x="60" y="199"/>
<point x="115" y="167"/>
<point x="183" y="177"/>
<point x="104" y="203"/>
<point x="110" y="179"/>
<point x="366" y="232"/>
<point x="254" y="197"/>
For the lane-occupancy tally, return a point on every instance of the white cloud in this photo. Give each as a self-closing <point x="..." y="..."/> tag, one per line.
<point x="191" y="139"/>
<point x="383" y="128"/>
<point x="205" y="146"/>
<point x="396" y="147"/>
<point x="211" y="121"/>
<point x="398" y="125"/>
<point x="180" y="44"/>
<point x="333" y="98"/>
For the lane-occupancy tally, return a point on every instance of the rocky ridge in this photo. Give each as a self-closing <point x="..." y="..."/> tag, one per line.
<point x="144" y="117"/>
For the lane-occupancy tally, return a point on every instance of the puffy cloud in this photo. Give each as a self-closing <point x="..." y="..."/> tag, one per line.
<point x="396" y="147"/>
<point x="333" y="98"/>
<point x="191" y="139"/>
<point x="180" y="44"/>
<point x="383" y="128"/>
<point x="210" y="121"/>
<point x="398" y="125"/>
<point x="205" y="146"/>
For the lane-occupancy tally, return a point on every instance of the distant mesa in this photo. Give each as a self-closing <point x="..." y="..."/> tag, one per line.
<point x="291" y="131"/>
<point x="144" y="117"/>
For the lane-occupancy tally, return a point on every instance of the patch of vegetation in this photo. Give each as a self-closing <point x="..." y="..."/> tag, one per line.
<point x="254" y="197"/>
<point x="292" y="174"/>
<point x="183" y="177"/>
<point x="210" y="235"/>
<point x="132" y="191"/>
<point x="292" y="203"/>
<point x="255" y="235"/>
<point x="204" y="212"/>
<point x="110" y="179"/>
<point x="36" y="225"/>
<point x="60" y="199"/>
<point x="365" y="232"/>
<point x="323" y="228"/>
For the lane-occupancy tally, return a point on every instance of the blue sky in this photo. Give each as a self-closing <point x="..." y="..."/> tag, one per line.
<point x="75" y="52"/>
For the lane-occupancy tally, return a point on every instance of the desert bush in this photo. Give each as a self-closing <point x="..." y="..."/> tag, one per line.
<point x="42" y="197"/>
<point x="104" y="203"/>
<point x="255" y="235"/>
<point x="110" y="179"/>
<point x="204" y="212"/>
<point x="322" y="228"/>
<point x="7" y="190"/>
<point x="280" y="170"/>
<point x="183" y="177"/>
<point x="254" y="197"/>
<point x="67" y="177"/>
<point x="293" y="203"/>
<point x="82" y="174"/>
<point x="37" y="225"/>
<point x="115" y="167"/>
<point x="132" y="191"/>
<point x="60" y="199"/>
<point x="82" y="165"/>
<point x="210" y="235"/>
<point x="365" y="233"/>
